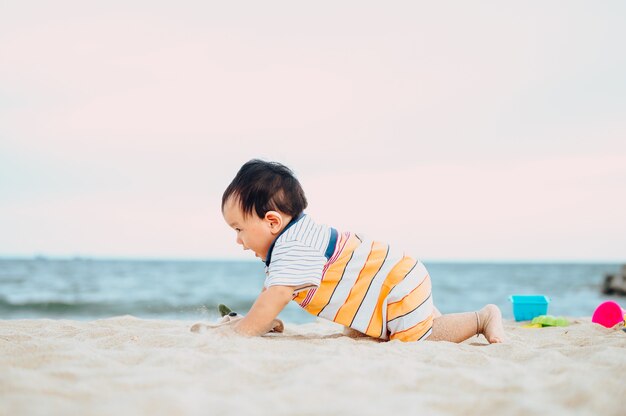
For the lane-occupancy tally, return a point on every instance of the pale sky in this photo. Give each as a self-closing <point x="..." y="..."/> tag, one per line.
<point x="459" y="130"/>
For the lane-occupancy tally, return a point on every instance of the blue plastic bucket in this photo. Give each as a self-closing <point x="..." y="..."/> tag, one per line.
<point x="526" y="307"/>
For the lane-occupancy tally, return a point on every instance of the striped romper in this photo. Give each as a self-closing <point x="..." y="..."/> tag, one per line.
<point x="362" y="284"/>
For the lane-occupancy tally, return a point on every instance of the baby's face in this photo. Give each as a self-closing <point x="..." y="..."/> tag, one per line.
<point x="253" y="233"/>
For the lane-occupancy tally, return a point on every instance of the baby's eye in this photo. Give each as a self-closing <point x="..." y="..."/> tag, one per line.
<point x="238" y="229"/>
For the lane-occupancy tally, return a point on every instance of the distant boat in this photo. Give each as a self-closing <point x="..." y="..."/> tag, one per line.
<point x="615" y="284"/>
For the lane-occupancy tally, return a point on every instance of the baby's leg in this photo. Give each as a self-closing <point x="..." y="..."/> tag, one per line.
<point x="352" y="333"/>
<point x="457" y="327"/>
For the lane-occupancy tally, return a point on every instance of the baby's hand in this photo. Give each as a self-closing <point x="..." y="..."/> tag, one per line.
<point x="225" y="320"/>
<point x="277" y="326"/>
<point x="229" y="318"/>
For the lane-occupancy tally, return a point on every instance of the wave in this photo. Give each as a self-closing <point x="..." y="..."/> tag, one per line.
<point x="59" y="308"/>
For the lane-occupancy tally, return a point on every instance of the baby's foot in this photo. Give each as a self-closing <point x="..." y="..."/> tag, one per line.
<point x="491" y="324"/>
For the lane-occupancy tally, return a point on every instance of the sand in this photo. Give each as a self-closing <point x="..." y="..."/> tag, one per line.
<point x="129" y="366"/>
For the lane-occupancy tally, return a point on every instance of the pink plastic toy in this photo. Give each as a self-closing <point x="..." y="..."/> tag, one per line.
<point x="608" y="314"/>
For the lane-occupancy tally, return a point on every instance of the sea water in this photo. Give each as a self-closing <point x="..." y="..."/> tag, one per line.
<point x="87" y="289"/>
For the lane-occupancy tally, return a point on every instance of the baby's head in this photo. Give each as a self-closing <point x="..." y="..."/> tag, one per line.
<point x="259" y="203"/>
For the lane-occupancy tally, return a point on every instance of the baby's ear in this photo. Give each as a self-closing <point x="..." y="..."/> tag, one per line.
<point x="275" y="221"/>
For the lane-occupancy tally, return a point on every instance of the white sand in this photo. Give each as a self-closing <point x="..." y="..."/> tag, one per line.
<point x="128" y="366"/>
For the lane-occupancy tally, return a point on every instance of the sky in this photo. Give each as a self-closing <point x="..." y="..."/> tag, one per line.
<point x="466" y="131"/>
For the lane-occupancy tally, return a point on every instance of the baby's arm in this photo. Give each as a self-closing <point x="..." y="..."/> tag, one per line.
<point x="265" y="309"/>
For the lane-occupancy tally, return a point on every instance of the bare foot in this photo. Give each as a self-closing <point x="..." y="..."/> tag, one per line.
<point x="491" y="324"/>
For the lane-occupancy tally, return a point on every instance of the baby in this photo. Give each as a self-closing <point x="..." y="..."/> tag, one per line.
<point x="367" y="286"/>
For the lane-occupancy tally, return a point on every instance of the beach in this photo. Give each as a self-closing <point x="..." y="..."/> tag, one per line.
<point x="129" y="366"/>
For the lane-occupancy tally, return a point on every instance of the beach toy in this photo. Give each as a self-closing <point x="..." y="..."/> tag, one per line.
<point x="526" y="307"/>
<point x="225" y="310"/>
<point x="608" y="314"/>
<point x="228" y="315"/>
<point x="547" y="320"/>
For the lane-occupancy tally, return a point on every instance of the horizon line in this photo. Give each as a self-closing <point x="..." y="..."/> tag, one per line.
<point x="45" y="257"/>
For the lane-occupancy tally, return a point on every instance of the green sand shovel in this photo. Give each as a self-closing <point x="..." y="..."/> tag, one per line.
<point x="546" y="320"/>
<point x="225" y="310"/>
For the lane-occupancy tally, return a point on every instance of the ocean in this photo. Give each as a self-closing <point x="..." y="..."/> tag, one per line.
<point x="87" y="289"/>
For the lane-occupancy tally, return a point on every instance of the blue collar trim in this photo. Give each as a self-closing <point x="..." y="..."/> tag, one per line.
<point x="268" y="258"/>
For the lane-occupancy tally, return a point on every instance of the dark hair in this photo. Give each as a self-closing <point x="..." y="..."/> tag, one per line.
<point x="266" y="186"/>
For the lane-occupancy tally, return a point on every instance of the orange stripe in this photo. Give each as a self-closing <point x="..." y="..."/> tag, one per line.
<point x="395" y="276"/>
<point x="301" y="296"/>
<point x="410" y="301"/>
<point x="333" y="275"/>
<point x="378" y="253"/>
<point x="415" y="332"/>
